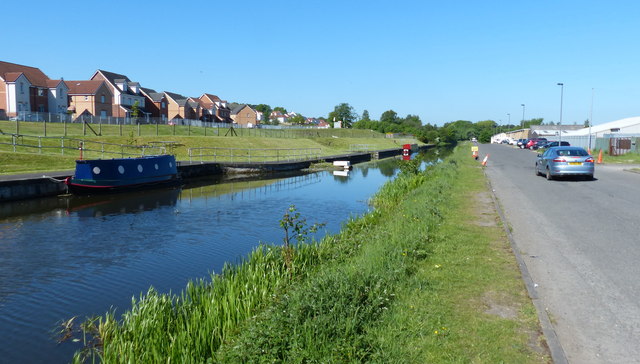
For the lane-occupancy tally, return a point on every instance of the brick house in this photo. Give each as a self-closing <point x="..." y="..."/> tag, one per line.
<point x="244" y="115"/>
<point x="28" y="89"/>
<point x="214" y="109"/>
<point x="156" y="103"/>
<point x="90" y="98"/>
<point x="125" y="93"/>
<point x="182" y="107"/>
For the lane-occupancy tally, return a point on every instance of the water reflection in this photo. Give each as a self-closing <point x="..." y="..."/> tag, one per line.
<point x="79" y="256"/>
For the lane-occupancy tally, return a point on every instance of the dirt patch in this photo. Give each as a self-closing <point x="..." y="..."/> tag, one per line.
<point x="497" y="307"/>
<point x="485" y="210"/>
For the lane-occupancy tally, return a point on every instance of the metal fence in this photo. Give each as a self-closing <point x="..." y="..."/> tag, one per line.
<point x="606" y="142"/>
<point x="64" y="124"/>
<point x="74" y="146"/>
<point x="206" y="154"/>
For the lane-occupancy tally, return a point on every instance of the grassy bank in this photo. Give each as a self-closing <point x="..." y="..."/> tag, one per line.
<point x="427" y="277"/>
<point x="52" y="157"/>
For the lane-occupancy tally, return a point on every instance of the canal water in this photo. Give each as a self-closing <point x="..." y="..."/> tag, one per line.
<point x="65" y="257"/>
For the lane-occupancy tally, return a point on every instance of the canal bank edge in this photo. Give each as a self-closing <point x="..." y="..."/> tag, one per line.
<point x="36" y="185"/>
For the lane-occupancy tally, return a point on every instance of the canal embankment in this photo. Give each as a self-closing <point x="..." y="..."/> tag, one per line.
<point x="36" y="185"/>
<point x="427" y="276"/>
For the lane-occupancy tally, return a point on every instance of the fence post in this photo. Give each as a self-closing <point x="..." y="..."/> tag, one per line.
<point x="17" y="126"/>
<point x="189" y="127"/>
<point x="13" y="142"/>
<point x="138" y="127"/>
<point x="156" y="127"/>
<point x="100" y="126"/>
<point x="39" y="145"/>
<point x="62" y="145"/>
<point x="45" y="124"/>
<point x="65" y="125"/>
<point x="84" y="127"/>
<point x="120" y="126"/>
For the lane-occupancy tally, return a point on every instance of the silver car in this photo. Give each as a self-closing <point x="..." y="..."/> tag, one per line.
<point x="565" y="161"/>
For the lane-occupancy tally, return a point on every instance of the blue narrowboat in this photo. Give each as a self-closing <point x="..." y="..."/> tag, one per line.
<point x="123" y="174"/>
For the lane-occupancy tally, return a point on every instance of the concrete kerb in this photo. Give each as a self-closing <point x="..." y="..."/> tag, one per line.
<point x="557" y="352"/>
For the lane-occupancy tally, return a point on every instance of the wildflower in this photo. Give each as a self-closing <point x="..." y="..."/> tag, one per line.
<point x="437" y="266"/>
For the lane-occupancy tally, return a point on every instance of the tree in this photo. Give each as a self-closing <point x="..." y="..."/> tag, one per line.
<point x="266" y="112"/>
<point x="390" y="116"/>
<point x="298" y="120"/>
<point x="343" y="112"/>
<point x="135" y="109"/>
<point x="365" y="116"/>
<point x="280" y="109"/>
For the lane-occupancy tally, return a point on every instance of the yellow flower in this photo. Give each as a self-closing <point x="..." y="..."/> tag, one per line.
<point x="437" y="266"/>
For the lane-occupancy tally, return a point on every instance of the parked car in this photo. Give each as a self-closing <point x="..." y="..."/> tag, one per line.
<point x="555" y="144"/>
<point x="533" y="143"/>
<point x="565" y="161"/>
<point x="505" y="141"/>
<point x="522" y="142"/>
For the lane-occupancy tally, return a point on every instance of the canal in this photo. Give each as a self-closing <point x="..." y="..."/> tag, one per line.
<point x="65" y="257"/>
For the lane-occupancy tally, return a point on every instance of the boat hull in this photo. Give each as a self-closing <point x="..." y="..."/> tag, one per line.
<point x="123" y="174"/>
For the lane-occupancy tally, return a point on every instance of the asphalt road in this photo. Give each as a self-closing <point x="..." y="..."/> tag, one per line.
<point x="580" y="241"/>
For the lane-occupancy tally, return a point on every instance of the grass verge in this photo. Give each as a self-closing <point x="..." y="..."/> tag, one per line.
<point x="426" y="277"/>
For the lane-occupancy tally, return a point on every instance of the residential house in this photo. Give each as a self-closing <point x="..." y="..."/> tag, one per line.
<point x="244" y="115"/>
<point x="156" y="103"/>
<point x="90" y="98"/>
<point x="28" y="89"/>
<point x="125" y="93"/>
<point x="182" y="107"/>
<point x="277" y="115"/>
<point x="214" y="109"/>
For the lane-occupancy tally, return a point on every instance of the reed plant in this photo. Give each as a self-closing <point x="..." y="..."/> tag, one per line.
<point x="356" y="296"/>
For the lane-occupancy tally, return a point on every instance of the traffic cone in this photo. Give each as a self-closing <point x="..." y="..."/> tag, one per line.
<point x="600" y="157"/>
<point x="475" y="154"/>
<point x="484" y="161"/>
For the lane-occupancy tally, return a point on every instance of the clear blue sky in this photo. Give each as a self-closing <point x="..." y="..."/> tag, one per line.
<point x="441" y="60"/>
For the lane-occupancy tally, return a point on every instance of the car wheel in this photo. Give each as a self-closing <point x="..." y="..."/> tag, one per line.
<point x="588" y="177"/>
<point x="537" y="171"/>
<point x="548" y="175"/>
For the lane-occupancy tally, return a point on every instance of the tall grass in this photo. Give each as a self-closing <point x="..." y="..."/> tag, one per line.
<point x="349" y="298"/>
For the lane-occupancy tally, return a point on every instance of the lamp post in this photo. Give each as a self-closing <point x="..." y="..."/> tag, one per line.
<point x="590" y="118"/>
<point x="522" y="122"/>
<point x="560" y="123"/>
<point x="509" y="122"/>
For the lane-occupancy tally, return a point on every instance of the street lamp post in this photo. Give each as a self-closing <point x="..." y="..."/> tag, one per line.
<point x="522" y="122"/>
<point x="590" y="118"/>
<point x="560" y="123"/>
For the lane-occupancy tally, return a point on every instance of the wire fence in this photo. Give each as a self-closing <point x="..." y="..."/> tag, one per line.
<point x="47" y="124"/>
<point x="207" y="154"/>
<point x="88" y="149"/>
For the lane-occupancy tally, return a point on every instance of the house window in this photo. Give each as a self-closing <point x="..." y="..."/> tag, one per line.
<point x="21" y="88"/>
<point x="60" y="93"/>
<point x="163" y="104"/>
<point x="40" y="108"/>
<point x="102" y="99"/>
<point x="40" y="92"/>
<point x="103" y="114"/>
<point x="615" y="130"/>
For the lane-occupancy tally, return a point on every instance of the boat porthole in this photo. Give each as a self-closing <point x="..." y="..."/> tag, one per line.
<point x="156" y="166"/>
<point x="96" y="170"/>
<point x="140" y="168"/>
<point x="121" y="169"/>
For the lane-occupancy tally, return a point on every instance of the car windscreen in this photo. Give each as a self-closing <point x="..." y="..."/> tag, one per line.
<point x="572" y="152"/>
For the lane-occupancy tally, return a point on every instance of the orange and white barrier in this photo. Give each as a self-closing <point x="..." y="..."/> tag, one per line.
<point x="484" y="161"/>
